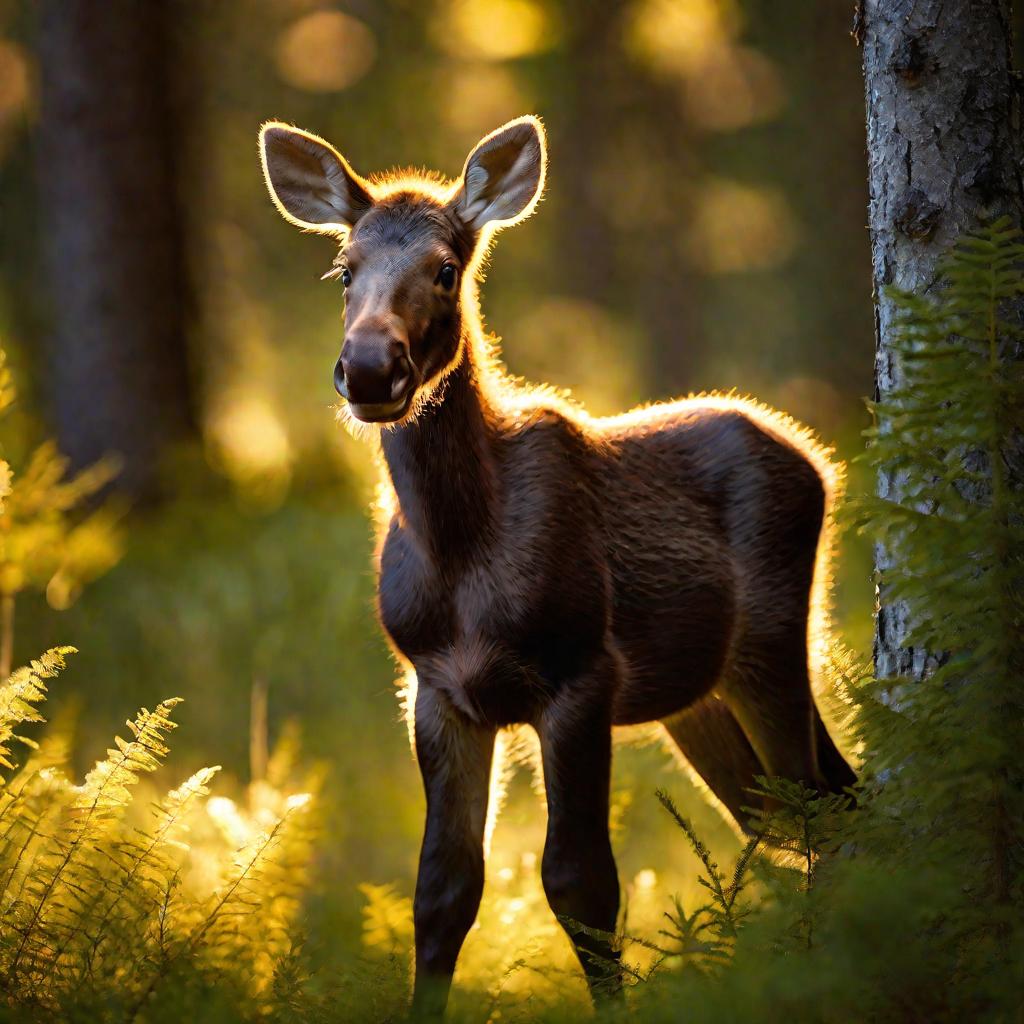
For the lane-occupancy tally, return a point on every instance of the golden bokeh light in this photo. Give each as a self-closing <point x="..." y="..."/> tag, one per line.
<point x="733" y="87"/>
<point x="249" y="443"/>
<point x="14" y="81"/>
<point x="325" y="51"/>
<point x="674" y="37"/>
<point x="495" y="29"/>
<point x="646" y="879"/>
<point x="481" y="96"/>
<point x="740" y="227"/>
<point x="225" y="814"/>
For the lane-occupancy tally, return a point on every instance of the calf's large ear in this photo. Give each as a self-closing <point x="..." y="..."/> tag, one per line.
<point x="310" y="182"/>
<point x="504" y="175"/>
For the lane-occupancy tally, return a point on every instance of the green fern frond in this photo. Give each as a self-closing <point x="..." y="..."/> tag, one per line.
<point x="705" y="937"/>
<point x="104" y="894"/>
<point x="44" y="487"/>
<point x="944" y="750"/>
<point x="53" y="910"/>
<point x="142" y="864"/>
<point x="106" y="787"/>
<point x="20" y="696"/>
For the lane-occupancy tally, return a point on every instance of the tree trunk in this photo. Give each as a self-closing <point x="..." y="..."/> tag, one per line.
<point x="115" y="267"/>
<point x="942" y="158"/>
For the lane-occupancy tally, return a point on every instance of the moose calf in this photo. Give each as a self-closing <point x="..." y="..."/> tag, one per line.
<point x="543" y="566"/>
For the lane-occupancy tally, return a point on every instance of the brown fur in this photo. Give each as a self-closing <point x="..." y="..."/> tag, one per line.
<point x="540" y="566"/>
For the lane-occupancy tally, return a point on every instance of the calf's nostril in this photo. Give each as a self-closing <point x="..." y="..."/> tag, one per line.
<point x="398" y="387"/>
<point x="400" y="378"/>
<point x="339" y="379"/>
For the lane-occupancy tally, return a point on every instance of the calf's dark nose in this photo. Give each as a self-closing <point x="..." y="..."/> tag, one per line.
<point x="373" y="372"/>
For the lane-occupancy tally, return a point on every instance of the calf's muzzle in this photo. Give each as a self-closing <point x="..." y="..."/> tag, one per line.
<point x="375" y="376"/>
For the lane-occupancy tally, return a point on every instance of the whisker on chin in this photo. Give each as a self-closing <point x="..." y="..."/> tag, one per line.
<point x="352" y="424"/>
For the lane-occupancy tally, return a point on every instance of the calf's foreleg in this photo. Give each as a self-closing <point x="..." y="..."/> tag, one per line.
<point x="578" y="868"/>
<point x="454" y="756"/>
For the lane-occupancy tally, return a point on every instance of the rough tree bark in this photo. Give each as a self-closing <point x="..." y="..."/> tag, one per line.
<point x="115" y="269"/>
<point x="942" y="158"/>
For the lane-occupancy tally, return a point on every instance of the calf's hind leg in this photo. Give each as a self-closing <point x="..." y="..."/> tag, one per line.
<point x="769" y="693"/>
<point x="838" y="774"/>
<point x="717" y="748"/>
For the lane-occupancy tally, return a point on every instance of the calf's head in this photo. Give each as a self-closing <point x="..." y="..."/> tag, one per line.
<point x="408" y="245"/>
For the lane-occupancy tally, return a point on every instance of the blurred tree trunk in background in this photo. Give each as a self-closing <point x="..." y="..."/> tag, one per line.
<point x="108" y="142"/>
<point x="822" y="174"/>
<point x="621" y="139"/>
<point x="586" y="95"/>
<point x="942" y="158"/>
<point x="671" y="302"/>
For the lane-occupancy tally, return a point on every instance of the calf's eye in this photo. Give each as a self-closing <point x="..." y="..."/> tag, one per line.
<point x="447" y="276"/>
<point x="346" y="276"/>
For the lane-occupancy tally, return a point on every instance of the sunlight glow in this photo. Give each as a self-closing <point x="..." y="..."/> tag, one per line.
<point x="14" y="81"/>
<point x="646" y="879"/>
<point x="325" y="51"/>
<point x="501" y="772"/>
<point x="297" y="801"/>
<point x="479" y="96"/>
<point x="675" y="36"/>
<point x="511" y="911"/>
<point x="249" y="444"/>
<point x="725" y="86"/>
<point x="226" y="815"/>
<point x="495" y="29"/>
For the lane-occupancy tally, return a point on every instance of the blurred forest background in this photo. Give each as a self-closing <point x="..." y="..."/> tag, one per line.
<point x="704" y="227"/>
